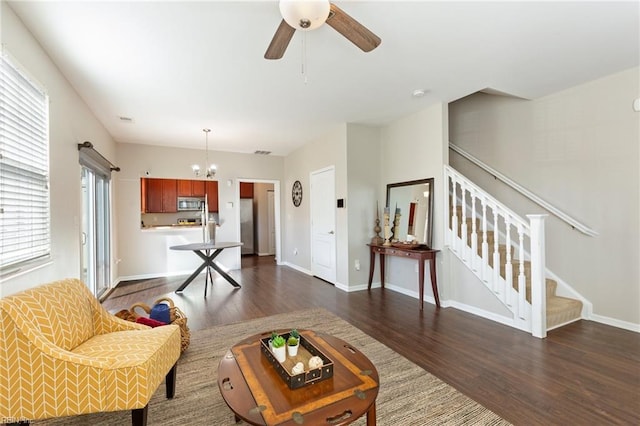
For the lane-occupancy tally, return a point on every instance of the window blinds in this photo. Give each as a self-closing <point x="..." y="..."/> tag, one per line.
<point x="24" y="169"/>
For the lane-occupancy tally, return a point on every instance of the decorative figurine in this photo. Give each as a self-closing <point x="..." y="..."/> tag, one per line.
<point x="396" y="224"/>
<point x="387" y="228"/>
<point x="377" y="240"/>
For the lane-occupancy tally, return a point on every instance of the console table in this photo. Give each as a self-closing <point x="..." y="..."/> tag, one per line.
<point x="420" y="254"/>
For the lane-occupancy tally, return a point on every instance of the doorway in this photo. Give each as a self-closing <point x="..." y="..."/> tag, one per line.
<point x="323" y="224"/>
<point x="264" y="215"/>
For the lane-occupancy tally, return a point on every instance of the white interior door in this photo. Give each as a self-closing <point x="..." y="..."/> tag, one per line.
<point x="323" y="224"/>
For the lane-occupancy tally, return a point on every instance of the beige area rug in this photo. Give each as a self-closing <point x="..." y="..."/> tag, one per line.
<point x="408" y="394"/>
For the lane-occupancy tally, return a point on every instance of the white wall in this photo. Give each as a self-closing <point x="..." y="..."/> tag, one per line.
<point x="579" y="150"/>
<point x="146" y="253"/>
<point x="71" y="122"/>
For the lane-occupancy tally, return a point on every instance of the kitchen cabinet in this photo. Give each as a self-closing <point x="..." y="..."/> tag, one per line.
<point x="159" y="195"/>
<point x="169" y="196"/>
<point x="143" y="195"/>
<point x="184" y="188"/>
<point x="246" y="189"/>
<point x="190" y="188"/>
<point x="197" y="188"/>
<point x="212" y="195"/>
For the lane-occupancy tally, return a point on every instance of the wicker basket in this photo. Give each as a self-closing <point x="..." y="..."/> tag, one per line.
<point x="176" y="316"/>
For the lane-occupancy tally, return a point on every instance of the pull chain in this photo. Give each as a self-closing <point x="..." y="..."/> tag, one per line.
<point x="304" y="57"/>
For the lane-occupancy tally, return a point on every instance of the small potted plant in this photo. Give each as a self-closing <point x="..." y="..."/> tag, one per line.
<point x="293" y="342"/>
<point x="273" y="336"/>
<point x="279" y="350"/>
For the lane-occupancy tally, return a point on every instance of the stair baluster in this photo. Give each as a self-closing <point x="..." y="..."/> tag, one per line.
<point x="474" y="233"/>
<point x="522" y="280"/>
<point x="508" y="268"/>
<point x="496" y="249"/>
<point x="454" y="218"/>
<point x="463" y="225"/>
<point x="485" y="242"/>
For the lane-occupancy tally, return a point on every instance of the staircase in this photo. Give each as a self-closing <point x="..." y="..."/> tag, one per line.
<point x="482" y="233"/>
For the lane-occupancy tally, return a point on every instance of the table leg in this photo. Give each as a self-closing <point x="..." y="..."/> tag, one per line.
<point x="225" y="275"/>
<point x="434" y="283"/>
<point x="191" y="278"/>
<point x="371" y="415"/>
<point x="421" y="282"/>
<point x="382" y="270"/>
<point x="372" y="266"/>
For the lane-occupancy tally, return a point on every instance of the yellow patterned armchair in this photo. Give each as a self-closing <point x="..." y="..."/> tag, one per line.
<point x="63" y="354"/>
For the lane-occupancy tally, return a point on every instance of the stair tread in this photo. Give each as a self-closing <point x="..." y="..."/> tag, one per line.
<point x="559" y="303"/>
<point x="562" y="310"/>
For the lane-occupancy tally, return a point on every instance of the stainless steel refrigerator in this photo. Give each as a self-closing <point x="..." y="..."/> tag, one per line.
<point x="246" y="225"/>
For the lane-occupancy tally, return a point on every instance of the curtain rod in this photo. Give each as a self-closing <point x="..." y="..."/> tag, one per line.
<point x="89" y="145"/>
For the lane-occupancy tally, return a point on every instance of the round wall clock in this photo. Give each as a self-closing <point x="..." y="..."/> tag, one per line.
<point x="296" y="193"/>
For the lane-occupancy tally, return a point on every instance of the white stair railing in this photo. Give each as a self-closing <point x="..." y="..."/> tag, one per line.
<point x="494" y="242"/>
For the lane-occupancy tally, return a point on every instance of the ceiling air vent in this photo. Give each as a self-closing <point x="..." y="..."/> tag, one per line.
<point x="259" y="152"/>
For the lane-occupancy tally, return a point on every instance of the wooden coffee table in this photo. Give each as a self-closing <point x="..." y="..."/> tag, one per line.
<point x="256" y="394"/>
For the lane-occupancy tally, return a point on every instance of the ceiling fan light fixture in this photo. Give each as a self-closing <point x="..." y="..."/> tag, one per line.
<point x="305" y="15"/>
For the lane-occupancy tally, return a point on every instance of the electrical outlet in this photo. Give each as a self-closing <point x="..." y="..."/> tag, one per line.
<point x="357" y="264"/>
<point x="295" y="251"/>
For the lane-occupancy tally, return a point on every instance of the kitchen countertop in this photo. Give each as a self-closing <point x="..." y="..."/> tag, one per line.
<point x="169" y="227"/>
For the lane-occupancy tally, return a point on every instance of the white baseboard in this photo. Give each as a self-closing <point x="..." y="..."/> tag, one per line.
<point x="616" y="323"/>
<point x="155" y="275"/>
<point x="297" y="268"/>
<point x="353" y="288"/>
<point x="484" y="314"/>
<point x="407" y="292"/>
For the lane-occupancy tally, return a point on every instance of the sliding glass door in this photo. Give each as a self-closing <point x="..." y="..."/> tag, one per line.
<point x="96" y="263"/>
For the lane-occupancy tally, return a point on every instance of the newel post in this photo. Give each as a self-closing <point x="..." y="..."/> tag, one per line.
<point x="538" y="285"/>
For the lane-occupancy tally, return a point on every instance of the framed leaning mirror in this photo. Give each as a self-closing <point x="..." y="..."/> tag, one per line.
<point x="414" y="201"/>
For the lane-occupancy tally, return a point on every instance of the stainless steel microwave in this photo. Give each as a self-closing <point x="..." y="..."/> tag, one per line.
<point x="190" y="203"/>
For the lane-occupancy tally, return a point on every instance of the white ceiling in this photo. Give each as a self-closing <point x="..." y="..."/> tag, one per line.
<point x="177" y="67"/>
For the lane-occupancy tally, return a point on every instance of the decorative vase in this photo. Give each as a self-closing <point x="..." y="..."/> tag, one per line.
<point x="293" y="350"/>
<point x="280" y="353"/>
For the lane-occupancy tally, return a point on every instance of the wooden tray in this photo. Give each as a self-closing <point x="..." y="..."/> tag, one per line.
<point x="305" y="352"/>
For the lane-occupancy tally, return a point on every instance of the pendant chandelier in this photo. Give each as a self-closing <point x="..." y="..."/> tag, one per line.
<point x="210" y="168"/>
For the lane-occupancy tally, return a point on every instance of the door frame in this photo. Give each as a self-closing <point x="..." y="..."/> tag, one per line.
<point x="276" y="190"/>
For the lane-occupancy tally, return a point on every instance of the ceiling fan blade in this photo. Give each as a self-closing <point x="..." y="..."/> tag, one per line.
<point x="280" y="41"/>
<point x="353" y="30"/>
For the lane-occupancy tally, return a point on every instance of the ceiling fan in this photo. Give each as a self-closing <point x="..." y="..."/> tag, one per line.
<point x="308" y="15"/>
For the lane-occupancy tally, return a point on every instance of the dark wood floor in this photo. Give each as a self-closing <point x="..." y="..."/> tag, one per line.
<point x="583" y="374"/>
